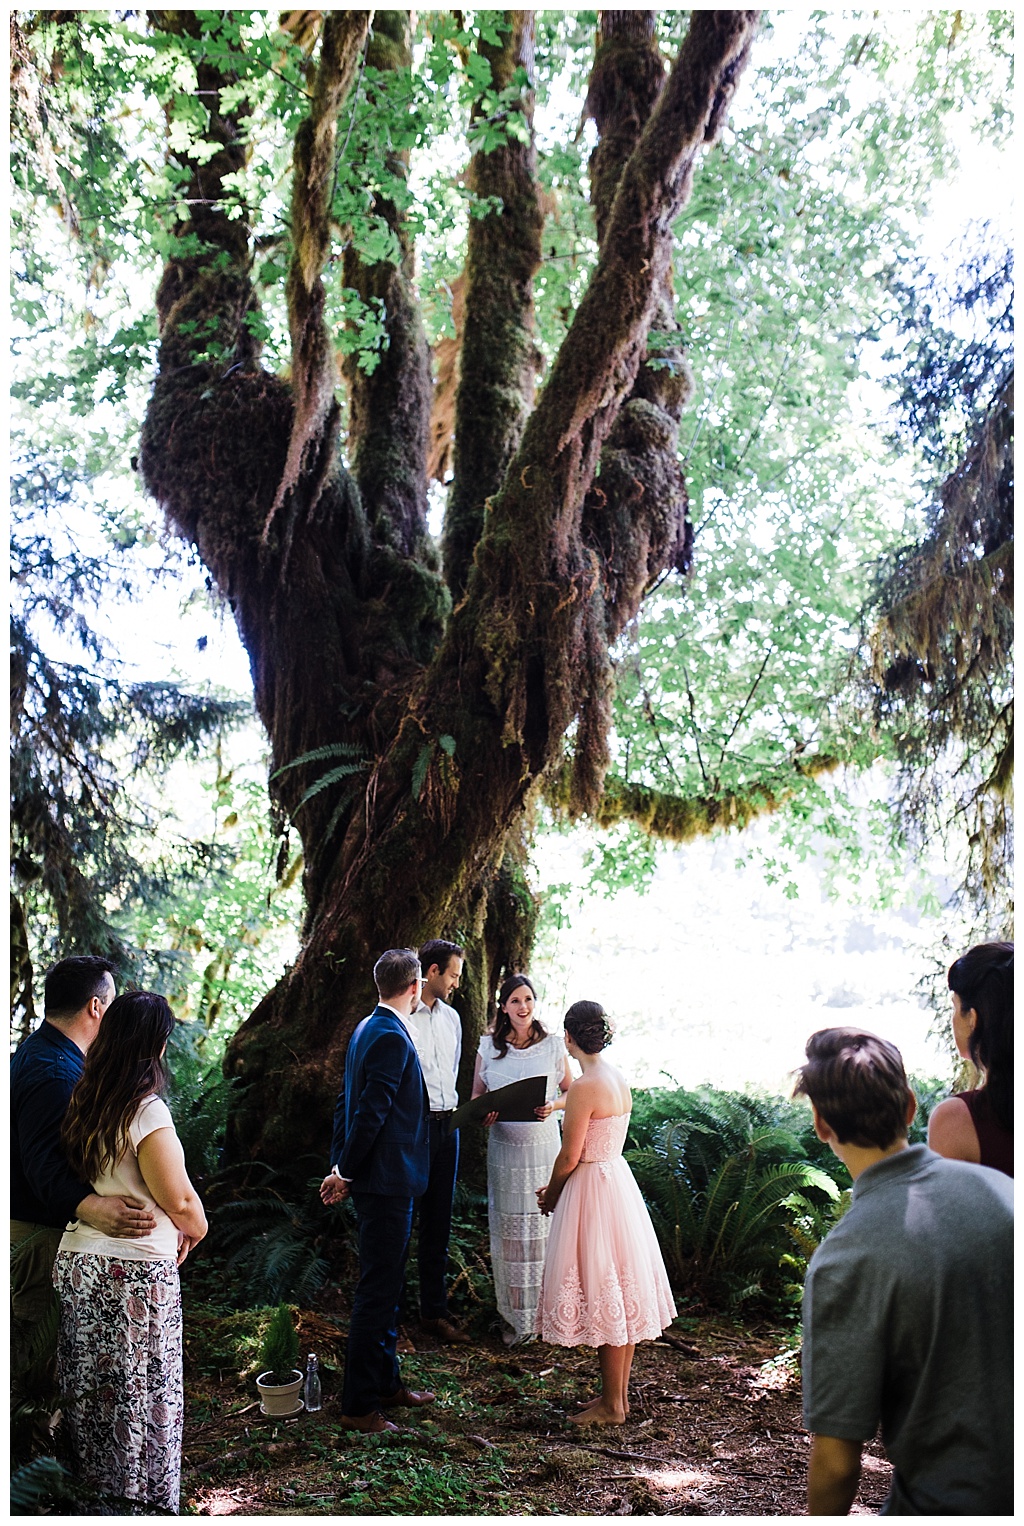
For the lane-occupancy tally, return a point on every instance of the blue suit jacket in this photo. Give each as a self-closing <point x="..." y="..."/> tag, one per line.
<point x="381" y="1138"/>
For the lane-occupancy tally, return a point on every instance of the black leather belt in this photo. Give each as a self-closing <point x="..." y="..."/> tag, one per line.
<point x="443" y="1115"/>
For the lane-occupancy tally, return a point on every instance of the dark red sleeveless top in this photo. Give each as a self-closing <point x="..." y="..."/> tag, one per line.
<point x="996" y="1143"/>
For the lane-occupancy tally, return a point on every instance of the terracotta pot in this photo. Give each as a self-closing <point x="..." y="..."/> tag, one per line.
<point x="279" y="1398"/>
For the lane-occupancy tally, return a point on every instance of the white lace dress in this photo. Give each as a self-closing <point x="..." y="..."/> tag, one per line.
<point x="519" y="1160"/>
<point x="605" y="1283"/>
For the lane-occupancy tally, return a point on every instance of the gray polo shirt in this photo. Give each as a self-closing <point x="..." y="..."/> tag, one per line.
<point x="908" y="1321"/>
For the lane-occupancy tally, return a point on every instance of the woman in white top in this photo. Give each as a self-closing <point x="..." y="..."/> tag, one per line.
<point x="519" y="1155"/>
<point x="119" y="1353"/>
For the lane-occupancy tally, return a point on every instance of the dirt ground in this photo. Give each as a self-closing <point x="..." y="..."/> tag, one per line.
<point x="715" y="1429"/>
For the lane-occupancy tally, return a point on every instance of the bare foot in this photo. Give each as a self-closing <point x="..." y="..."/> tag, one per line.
<point x="599" y="1414"/>
<point x="592" y="1403"/>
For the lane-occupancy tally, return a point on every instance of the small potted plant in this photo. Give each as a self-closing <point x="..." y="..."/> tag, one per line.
<point x="281" y="1379"/>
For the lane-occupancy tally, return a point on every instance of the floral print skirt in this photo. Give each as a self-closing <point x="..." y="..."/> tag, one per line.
<point x="119" y="1371"/>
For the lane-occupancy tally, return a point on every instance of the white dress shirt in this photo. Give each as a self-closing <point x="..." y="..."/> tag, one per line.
<point x="437" y="1035"/>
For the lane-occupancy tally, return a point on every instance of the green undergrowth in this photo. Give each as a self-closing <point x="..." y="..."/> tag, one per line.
<point x="739" y="1187"/>
<point x="329" y="1471"/>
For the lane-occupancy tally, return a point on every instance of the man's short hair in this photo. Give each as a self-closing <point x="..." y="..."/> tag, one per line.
<point x="395" y="971"/>
<point x="440" y="952"/>
<point x="71" y="985"/>
<point x="858" y="1085"/>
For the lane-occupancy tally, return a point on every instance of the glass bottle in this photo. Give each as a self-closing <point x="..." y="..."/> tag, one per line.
<point x="311" y="1387"/>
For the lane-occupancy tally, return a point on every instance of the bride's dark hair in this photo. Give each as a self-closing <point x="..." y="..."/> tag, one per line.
<point x="502" y="1030"/>
<point x="587" y="1026"/>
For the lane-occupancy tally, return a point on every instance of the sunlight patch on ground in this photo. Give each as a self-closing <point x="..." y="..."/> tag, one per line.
<point x="779" y="1371"/>
<point x="224" y="1502"/>
<point x="673" y="1479"/>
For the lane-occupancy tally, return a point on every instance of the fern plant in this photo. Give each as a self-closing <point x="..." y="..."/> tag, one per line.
<point x="329" y="776"/>
<point x="726" y="1187"/>
<point x="276" y="1246"/>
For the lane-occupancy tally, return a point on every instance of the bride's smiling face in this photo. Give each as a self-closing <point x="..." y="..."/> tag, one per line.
<point x="519" y="1008"/>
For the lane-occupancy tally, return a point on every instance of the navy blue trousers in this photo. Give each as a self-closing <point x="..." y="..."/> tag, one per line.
<point x="434" y="1218"/>
<point x="371" y="1363"/>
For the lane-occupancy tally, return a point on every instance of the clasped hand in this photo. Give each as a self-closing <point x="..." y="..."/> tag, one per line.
<point x="333" y="1190"/>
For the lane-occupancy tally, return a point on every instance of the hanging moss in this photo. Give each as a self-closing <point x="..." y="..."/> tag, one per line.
<point x="942" y="647"/>
<point x="339" y="605"/>
<point x="678" y="818"/>
<point x="498" y="357"/>
<point x="389" y="410"/>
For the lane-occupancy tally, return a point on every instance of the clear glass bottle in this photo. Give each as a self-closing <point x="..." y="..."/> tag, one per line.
<point x="311" y="1387"/>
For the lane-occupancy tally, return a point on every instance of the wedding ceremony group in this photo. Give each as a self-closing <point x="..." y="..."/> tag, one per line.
<point x="511" y="770"/>
<point x="907" y="1312"/>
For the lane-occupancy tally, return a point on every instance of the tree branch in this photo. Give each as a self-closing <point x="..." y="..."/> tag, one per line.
<point x="313" y="365"/>
<point x="498" y="355"/>
<point x="389" y="410"/>
<point x="634" y="515"/>
<point x="531" y="603"/>
<point x="682" y="818"/>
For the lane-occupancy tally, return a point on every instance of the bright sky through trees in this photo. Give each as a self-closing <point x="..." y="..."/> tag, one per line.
<point x="174" y="629"/>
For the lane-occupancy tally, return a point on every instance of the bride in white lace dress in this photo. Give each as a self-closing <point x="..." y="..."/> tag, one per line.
<point x="520" y="1155"/>
<point x="605" y="1283"/>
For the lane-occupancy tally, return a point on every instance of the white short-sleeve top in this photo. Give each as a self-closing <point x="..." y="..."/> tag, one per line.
<point x="544" y="1058"/>
<point x="124" y="1179"/>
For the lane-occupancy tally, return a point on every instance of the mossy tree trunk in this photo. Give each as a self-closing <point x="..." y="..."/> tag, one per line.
<point x="438" y="703"/>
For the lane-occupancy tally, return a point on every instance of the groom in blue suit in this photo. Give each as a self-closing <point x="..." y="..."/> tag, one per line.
<point x="380" y="1155"/>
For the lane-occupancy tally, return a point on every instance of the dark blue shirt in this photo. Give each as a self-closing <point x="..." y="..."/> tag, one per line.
<point x="44" y="1069"/>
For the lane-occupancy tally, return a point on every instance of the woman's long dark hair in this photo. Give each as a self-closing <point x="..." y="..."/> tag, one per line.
<point x="983" y="979"/>
<point x="122" y="1067"/>
<point x="502" y="1030"/>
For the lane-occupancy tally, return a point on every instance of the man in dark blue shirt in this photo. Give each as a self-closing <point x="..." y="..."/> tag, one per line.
<point x="45" y="1193"/>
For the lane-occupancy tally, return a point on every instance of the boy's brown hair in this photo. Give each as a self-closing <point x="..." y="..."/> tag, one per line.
<point x="857" y="1083"/>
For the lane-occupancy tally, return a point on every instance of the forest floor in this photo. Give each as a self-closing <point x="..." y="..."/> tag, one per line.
<point x="715" y="1429"/>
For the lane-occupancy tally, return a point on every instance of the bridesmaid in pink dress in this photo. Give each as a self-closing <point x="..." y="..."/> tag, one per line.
<point x="605" y="1283"/>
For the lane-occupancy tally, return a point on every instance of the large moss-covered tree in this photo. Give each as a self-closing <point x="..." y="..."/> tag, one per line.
<point x="427" y="706"/>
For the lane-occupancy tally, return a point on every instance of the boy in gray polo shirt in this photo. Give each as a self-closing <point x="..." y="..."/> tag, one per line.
<point x="908" y="1314"/>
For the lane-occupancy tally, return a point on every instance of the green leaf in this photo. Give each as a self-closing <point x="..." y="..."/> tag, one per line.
<point x="419" y="769"/>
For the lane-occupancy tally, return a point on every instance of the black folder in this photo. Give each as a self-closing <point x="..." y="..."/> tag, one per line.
<point x="513" y="1104"/>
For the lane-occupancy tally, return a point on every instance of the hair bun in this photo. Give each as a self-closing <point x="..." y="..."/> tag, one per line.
<point x="586" y="1023"/>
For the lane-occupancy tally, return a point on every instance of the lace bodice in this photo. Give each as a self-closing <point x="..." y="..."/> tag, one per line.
<point x="605" y="1137"/>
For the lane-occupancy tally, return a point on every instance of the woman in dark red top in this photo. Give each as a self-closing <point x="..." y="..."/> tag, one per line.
<point x="978" y="1125"/>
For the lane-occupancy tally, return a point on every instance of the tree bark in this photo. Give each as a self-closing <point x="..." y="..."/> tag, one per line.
<point x="498" y="356"/>
<point x="455" y="719"/>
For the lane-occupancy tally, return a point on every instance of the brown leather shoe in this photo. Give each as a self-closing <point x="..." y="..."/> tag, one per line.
<point x="407" y="1397"/>
<point x="445" y="1331"/>
<point x="371" y="1424"/>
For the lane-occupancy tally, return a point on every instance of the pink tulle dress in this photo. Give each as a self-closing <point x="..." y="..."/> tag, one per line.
<point x="605" y="1283"/>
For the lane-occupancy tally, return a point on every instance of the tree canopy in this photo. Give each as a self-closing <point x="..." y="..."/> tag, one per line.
<point x="435" y="297"/>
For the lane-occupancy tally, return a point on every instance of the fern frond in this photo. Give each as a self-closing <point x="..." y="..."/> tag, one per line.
<point x="320" y="755"/>
<point x="332" y="776"/>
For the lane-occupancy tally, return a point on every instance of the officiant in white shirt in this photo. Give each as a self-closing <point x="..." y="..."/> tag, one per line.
<point x="436" y="1030"/>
